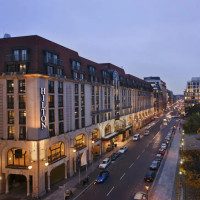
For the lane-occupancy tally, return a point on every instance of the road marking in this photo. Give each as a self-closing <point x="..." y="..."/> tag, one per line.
<point x="131" y="165"/>
<point x="138" y="157"/>
<point x="122" y="176"/>
<point x="143" y="151"/>
<point x="110" y="191"/>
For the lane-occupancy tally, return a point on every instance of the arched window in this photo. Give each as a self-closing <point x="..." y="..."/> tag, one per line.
<point x="119" y="125"/>
<point x="107" y="129"/>
<point x="95" y="135"/>
<point x="56" y="152"/>
<point x="80" y="142"/>
<point x="17" y="158"/>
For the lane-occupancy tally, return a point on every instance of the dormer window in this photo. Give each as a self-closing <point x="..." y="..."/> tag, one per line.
<point x="81" y="76"/>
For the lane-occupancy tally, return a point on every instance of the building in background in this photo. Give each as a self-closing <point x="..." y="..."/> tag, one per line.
<point x="170" y="97"/>
<point x="192" y="93"/>
<point x="56" y="105"/>
<point x="160" y="93"/>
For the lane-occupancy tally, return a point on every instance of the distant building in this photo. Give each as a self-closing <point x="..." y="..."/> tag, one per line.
<point x="192" y="93"/>
<point x="160" y="93"/>
<point x="170" y="97"/>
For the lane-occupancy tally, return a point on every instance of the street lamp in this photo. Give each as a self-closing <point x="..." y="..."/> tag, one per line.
<point x="92" y="153"/>
<point x="147" y="189"/>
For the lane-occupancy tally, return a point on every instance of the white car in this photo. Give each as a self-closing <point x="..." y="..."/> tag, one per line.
<point x="105" y="163"/>
<point x="136" y="137"/>
<point x="123" y="149"/>
<point x="140" y="196"/>
<point x="163" y="146"/>
<point x="146" y="132"/>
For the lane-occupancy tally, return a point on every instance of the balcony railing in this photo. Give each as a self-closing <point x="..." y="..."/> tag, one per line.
<point x="53" y="61"/>
<point x="17" y="58"/>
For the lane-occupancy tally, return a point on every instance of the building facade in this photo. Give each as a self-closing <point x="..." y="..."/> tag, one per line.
<point x="192" y="93"/>
<point x="160" y="94"/>
<point x="55" y="105"/>
<point x="170" y="97"/>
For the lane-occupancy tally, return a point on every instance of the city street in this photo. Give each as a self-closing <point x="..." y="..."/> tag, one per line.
<point x="127" y="173"/>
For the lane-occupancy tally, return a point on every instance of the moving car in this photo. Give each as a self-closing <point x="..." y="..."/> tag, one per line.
<point x="140" y="196"/>
<point x="159" y="157"/>
<point x="123" y="149"/>
<point x="105" y="163"/>
<point x="136" y="137"/>
<point x="114" y="156"/>
<point x="149" y="177"/>
<point x="155" y="165"/>
<point x="146" y="132"/>
<point x="102" y="177"/>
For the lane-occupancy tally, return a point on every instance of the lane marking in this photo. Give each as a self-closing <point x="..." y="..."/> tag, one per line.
<point x="131" y="165"/>
<point x="122" y="176"/>
<point x="143" y="151"/>
<point x="138" y="157"/>
<point x="110" y="191"/>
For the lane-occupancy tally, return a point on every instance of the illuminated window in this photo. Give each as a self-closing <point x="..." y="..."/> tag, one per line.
<point x="56" y="152"/>
<point x="10" y="86"/>
<point x="17" y="158"/>
<point x="21" y="86"/>
<point x="107" y="129"/>
<point x="80" y="141"/>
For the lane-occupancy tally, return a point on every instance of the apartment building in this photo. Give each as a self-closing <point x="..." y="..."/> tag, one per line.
<point x="192" y="93"/>
<point x="55" y="105"/>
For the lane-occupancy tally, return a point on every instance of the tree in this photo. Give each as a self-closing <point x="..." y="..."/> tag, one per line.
<point x="190" y="167"/>
<point x="192" y="124"/>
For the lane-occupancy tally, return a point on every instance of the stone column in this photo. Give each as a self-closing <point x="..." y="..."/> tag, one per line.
<point x="28" y="185"/>
<point x="49" y="188"/>
<point x="7" y="186"/>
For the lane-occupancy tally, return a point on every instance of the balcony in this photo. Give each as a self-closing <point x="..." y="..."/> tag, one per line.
<point x="49" y="60"/>
<point x="17" y="58"/>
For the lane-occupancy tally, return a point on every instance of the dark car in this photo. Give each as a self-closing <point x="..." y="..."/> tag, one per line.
<point x="161" y="151"/>
<point x="103" y="175"/>
<point x="154" y="165"/>
<point x="149" y="177"/>
<point x="114" y="156"/>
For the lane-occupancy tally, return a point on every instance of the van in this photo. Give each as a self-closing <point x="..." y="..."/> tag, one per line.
<point x="136" y="137"/>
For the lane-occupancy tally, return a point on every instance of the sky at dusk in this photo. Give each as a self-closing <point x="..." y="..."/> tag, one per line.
<point x="145" y="37"/>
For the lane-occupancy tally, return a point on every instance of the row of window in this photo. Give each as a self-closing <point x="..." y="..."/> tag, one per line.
<point x="21" y="86"/>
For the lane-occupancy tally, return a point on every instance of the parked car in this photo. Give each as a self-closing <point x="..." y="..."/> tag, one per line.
<point x="164" y="146"/>
<point x="140" y="196"/>
<point x="149" y="177"/>
<point x="108" y="149"/>
<point x="105" y="163"/>
<point x="102" y="177"/>
<point x="166" y="141"/>
<point x="161" y="151"/>
<point x="155" y="165"/>
<point x="167" y="138"/>
<point x="123" y="149"/>
<point x="114" y="156"/>
<point x="159" y="157"/>
<point x="146" y="132"/>
<point x="136" y="137"/>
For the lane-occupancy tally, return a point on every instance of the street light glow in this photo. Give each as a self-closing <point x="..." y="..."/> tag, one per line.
<point x="30" y="167"/>
<point x="74" y="150"/>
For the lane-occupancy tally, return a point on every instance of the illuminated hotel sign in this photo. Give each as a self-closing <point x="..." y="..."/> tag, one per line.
<point x="43" y="109"/>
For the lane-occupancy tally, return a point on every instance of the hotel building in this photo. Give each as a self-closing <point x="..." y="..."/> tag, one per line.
<point x="55" y="105"/>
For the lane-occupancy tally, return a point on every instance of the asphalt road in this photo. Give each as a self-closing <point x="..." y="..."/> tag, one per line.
<point x="128" y="171"/>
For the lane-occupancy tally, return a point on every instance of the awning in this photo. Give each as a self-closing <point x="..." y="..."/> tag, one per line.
<point x="110" y="136"/>
<point x="129" y="127"/>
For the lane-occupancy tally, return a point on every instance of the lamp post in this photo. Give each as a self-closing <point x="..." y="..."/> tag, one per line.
<point x="147" y="189"/>
<point x="92" y="153"/>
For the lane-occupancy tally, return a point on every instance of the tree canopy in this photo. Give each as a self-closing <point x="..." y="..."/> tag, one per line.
<point x="192" y="124"/>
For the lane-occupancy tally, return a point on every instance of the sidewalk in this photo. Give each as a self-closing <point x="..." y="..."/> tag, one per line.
<point x="165" y="186"/>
